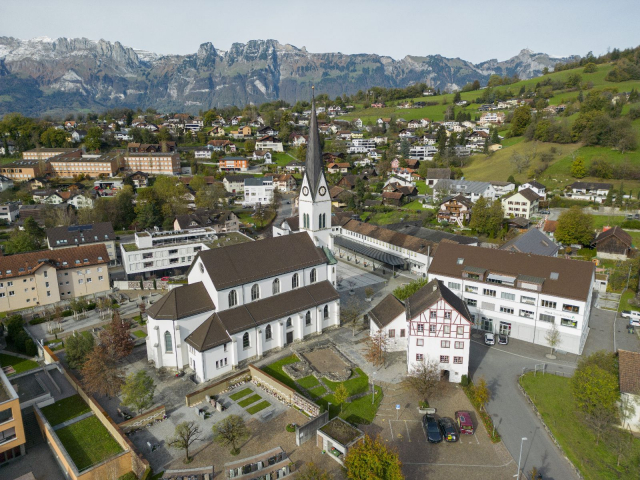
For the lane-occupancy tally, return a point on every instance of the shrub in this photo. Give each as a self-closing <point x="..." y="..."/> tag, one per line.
<point x="631" y="224"/>
<point x="30" y="347"/>
<point x="465" y="381"/>
<point x="37" y="321"/>
<point x="67" y="313"/>
<point x="291" y="427"/>
<point x="405" y="291"/>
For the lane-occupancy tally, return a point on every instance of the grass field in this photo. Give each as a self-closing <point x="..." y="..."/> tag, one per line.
<point x="242" y="393"/>
<point x="275" y="370"/>
<point x="552" y="396"/>
<point x="308" y="382"/>
<point x="19" y="364"/>
<point x="394" y="216"/>
<point x="361" y="410"/>
<point x="139" y="333"/>
<point x="354" y="385"/>
<point x="65" y="409"/>
<point x="258" y="406"/>
<point x="88" y="442"/>
<point x="600" y="221"/>
<point x="249" y="400"/>
<point x="624" y="301"/>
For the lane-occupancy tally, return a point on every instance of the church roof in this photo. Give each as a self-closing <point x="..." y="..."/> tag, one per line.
<point x="251" y="261"/>
<point x="313" y="163"/>
<point x="182" y="302"/>
<point x="209" y="334"/>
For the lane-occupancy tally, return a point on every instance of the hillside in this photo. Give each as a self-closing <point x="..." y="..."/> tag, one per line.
<point x="43" y="76"/>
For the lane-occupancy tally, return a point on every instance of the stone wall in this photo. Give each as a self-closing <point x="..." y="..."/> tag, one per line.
<point x="144" y="419"/>
<point x="216" y="388"/>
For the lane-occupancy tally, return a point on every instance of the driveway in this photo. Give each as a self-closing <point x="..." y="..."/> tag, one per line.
<point x="512" y="415"/>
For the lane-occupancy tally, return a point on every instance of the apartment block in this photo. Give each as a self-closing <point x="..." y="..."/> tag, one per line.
<point x="158" y="163"/>
<point x="45" y="277"/>
<point x="12" y="437"/>
<point x="47" y="153"/>
<point x="68" y="165"/>
<point x="23" y="170"/>
<point x="77" y="235"/>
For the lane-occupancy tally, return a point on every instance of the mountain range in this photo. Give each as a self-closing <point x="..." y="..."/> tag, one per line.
<point x="43" y="76"/>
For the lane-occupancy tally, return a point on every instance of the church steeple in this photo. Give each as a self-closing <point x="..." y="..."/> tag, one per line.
<point x="313" y="162"/>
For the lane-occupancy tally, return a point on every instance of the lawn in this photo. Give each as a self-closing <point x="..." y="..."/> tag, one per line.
<point x="139" y="333"/>
<point x="19" y="364"/>
<point x="552" y="396"/>
<point x="88" y="442"/>
<point x="394" y="216"/>
<point x="242" y="393"/>
<point x="600" y="221"/>
<point x="317" y="392"/>
<point x="275" y="370"/>
<point x="308" y="382"/>
<point x="249" y="400"/>
<point x="65" y="409"/>
<point x="624" y="301"/>
<point x="260" y="406"/>
<point x="354" y="385"/>
<point x="415" y="205"/>
<point x="361" y="410"/>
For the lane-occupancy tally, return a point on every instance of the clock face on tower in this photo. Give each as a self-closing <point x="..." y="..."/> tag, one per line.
<point x="305" y="191"/>
<point x="323" y="190"/>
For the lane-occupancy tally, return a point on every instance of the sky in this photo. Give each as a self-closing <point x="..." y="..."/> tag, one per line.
<point x="471" y="30"/>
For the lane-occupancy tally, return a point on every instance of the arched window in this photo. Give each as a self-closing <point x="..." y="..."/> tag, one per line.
<point x="255" y="292"/>
<point x="313" y="276"/>
<point x="326" y="311"/>
<point x="288" y="322"/>
<point x="295" y="281"/>
<point x="168" y="343"/>
<point x="276" y="286"/>
<point x="267" y="332"/>
<point x="306" y="215"/>
<point x="233" y="298"/>
<point x="307" y="318"/>
<point x="245" y="341"/>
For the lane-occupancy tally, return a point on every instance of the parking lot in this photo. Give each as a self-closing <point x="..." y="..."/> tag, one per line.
<point x="473" y="456"/>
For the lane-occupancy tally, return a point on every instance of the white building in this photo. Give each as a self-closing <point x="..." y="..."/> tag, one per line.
<point x="422" y="152"/>
<point x="268" y="143"/>
<point x="503" y="188"/>
<point x="5" y="183"/>
<point x="537" y="187"/>
<point x="590" y="191"/>
<point x="258" y="191"/>
<point x="523" y="203"/>
<point x="9" y="212"/>
<point x="520" y="295"/>
<point x="161" y="253"/>
<point x="202" y="154"/>
<point x="246" y="299"/>
<point x="471" y="190"/>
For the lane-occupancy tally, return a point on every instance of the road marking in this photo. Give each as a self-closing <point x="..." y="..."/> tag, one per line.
<point x="407" y="426"/>
<point x="459" y="464"/>
<point x="390" y="427"/>
<point x="523" y="356"/>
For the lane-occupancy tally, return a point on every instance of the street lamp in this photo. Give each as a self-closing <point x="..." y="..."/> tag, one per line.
<point x="520" y="457"/>
<point x="373" y="387"/>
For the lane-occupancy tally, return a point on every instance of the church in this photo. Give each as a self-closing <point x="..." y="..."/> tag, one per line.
<point x="244" y="300"/>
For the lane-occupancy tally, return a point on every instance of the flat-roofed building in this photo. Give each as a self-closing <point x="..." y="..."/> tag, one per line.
<point x="23" y="170"/>
<point x="45" y="277"/>
<point x="158" y="163"/>
<point x="47" y="153"/>
<point x="67" y="165"/>
<point x="12" y="437"/>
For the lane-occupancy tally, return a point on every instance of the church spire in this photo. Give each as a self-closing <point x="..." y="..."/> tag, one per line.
<point x="313" y="162"/>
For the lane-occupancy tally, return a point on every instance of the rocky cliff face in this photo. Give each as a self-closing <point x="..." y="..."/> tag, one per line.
<point x="42" y="76"/>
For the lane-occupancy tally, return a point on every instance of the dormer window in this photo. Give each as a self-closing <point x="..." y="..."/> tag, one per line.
<point x="86" y="260"/>
<point x="77" y="262"/>
<point x="460" y="261"/>
<point x="99" y="258"/>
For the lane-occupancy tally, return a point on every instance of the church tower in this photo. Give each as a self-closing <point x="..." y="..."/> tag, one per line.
<point x="315" y="202"/>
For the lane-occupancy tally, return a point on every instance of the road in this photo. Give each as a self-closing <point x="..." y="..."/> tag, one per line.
<point x="511" y="413"/>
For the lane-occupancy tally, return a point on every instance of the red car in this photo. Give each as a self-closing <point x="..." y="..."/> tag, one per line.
<point x="465" y="424"/>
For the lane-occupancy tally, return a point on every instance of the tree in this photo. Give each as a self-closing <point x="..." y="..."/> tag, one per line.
<point x="210" y="197"/>
<point x="231" y="431"/>
<point x="457" y="97"/>
<point x="53" y="138"/>
<point x="77" y="348"/>
<point x="93" y="140"/>
<point x="116" y="338"/>
<point x="371" y="459"/>
<point x="20" y="241"/>
<point x="424" y="378"/>
<point x="351" y="313"/>
<point x="521" y="119"/>
<point x="376" y="348"/>
<point x="578" y="170"/>
<point x="100" y="374"/>
<point x="590" y="68"/>
<point x="553" y="338"/>
<point x="341" y="394"/>
<point x="574" y="227"/>
<point x="310" y="471"/>
<point x="520" y="162"/>
<point x="481" y="393"/>
<point x="138" y="390"/>
<point x="185" y="435"/>
<point x="596" y="391"/>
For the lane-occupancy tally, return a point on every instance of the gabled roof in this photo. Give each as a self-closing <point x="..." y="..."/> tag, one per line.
<point x="629" y="371"/>
<point x="527" y="193"/>
<point x="550" y="226"/>
<point x="431" y="293"/>
<point x="617" y="232"/>
<point x="533" y="241"/>
<point x="80" y="234"/>
<point x="208" y="335"/>
<point x="386" y="311"/>
<point x="535" y="184"/>
<point x="591" y="186"/>
<point x="460" y="199"/>
<point x="182" y="302"/>
<point x="251" y="261"/>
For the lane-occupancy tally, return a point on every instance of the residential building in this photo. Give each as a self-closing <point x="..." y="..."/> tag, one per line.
<point x="234" y="164"/>
<point x="45" y="277"/>
<point x="434" y="175"/>
<point x="549" y="228"/>
<point x="284" y="182"/>
<point x="78" y="235"/>
<point x="263" y="155"/>
<point x="269" y="143"/>
<point x="167" y="253"/>
<point x="534" y="242"/>
<point x="221" y="146"/>
<point x="23" y="170"/>
<point x="202" y="154"/>
<point x="82" y="200"/>
<point x="5" y="183"/>
<point x="590" y="191"/>
<point x="151" y="147"/>
<point x="519" y="294"/>
<point x="629" y="383"/>
<point x="537" y="187"/>
<point x="455" y="210"/>
<point x="613" y="244"/>
<point x="523" y="203"/>
<point x="47" y="153"/>
<point x="139" y="179"/>
<point x="472" y="190"/>
<point x="70" y="165"/>
<point x="503" y="188"/>
<point x="9" y="212"/>
<point x="422" y="152"/>
<point x="258" y="191"/>
<point x="339" y="167"/>
<point x="222" y="222"/>
<point x="12" y="436"/>
<point x="492" y="117"/>
<point x="157" y="163"/>
<point x="390" y="316"/>
<point x="235" y="183"/>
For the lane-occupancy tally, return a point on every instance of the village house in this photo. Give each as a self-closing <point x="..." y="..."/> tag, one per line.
<point x="338" y="167"/>
<point x="221" y="146"/>
<point x="434" y="175"/>
<point x="233" y="164"/>
<point x="523" y="203"/>
<point x="269" y="143"/>
<point x="284" y="182"/>
<point x="613" y="244"/>
<point x="258" y="191"/>
<point x="534" y="242"/>
<point x="78" y="235"/>
<point x="590" y="191"/>
<point x="235" y="183"/>
<point x="537" y="187"/>
<point x="455" y="210"/>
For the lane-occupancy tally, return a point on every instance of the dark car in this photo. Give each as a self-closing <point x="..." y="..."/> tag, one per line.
<point x="503" y="339"/>
<point x="448" y="429"/>
<point x="431" y="429"/>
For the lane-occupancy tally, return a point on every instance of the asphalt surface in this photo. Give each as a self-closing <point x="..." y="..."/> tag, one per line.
<point x="512" y="415"/>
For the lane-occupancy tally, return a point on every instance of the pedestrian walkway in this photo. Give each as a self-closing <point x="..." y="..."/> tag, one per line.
<point x="73" y="420"/>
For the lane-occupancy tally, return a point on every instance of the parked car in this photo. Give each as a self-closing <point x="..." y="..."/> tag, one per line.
<point x="503" y="339"/>
<point x="634" y="322"/>
<point x="448" y="429"/>
<point x="431" y="429"/>
<point x="637" y="216"/>
<point x="489" y="339"/>
<point x="631" y="314"/>
<point x="465" y="424"/>
<point x="544" y="212"/>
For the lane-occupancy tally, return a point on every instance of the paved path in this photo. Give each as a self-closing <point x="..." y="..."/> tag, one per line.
<point x="73" y="420"/>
